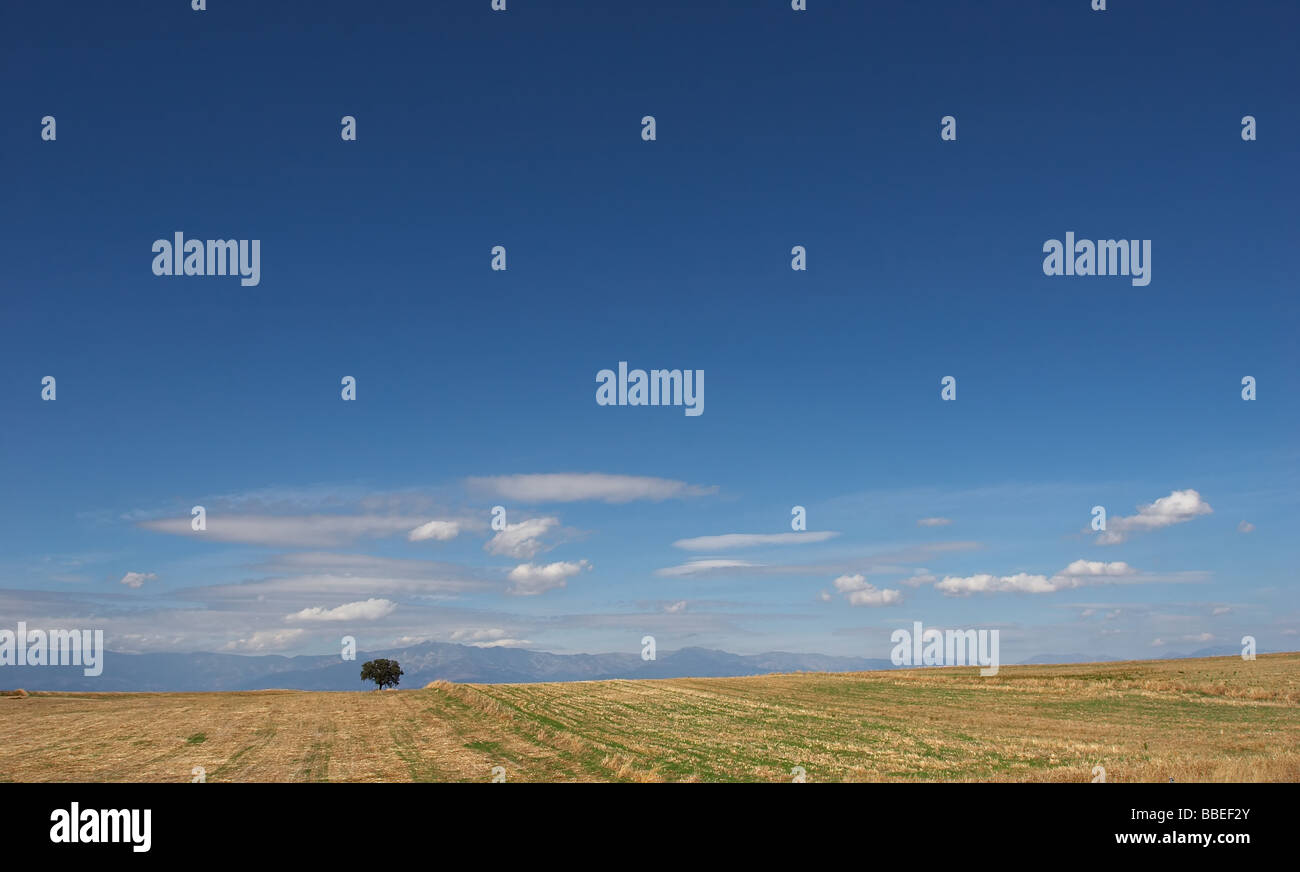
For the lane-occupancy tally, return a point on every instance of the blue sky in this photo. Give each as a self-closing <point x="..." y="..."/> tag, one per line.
<point x="774" y="129"/>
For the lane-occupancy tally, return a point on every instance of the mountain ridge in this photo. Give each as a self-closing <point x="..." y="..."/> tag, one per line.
<point x="430" y="661"/>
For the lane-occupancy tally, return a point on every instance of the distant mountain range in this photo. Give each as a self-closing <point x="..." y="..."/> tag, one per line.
<point x="420" y="664"/>
<point x="434" y="660"/>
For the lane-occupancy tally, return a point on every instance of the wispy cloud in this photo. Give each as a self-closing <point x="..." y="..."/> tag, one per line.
<point x="264" y="640"/>
<point x="490" y="637"/>
<point x="300" y="531"/>
<point x="340" y="575"/>
<point x="522" y="540"/>
<point x="919" y="578"/>
<point x="934" y="522"/>
<point x="729" y="541"/>
<point x="572" y="487"/>
<point x="704" y="567"/>
<point x="877" y="560"/>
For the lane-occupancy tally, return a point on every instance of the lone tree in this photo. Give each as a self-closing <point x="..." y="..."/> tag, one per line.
<point x="384" y="673"/>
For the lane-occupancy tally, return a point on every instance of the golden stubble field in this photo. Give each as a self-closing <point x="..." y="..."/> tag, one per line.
<point x="1216" y="719"/>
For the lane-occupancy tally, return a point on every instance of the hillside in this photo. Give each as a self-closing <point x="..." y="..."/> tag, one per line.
<point x="1218" y="719"/>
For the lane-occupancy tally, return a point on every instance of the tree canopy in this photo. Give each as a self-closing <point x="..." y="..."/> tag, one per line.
<point x="384" y="673"/>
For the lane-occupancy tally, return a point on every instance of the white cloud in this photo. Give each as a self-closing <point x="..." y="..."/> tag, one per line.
<point x="749" y="540"/>
<point x="136" y="579"/>
<point x="704" y="567"/>
<point x="934" y="522"/>
<point x="1077" y="574"/>
<point x="571" y="487"/>
<point x="846" y="583"/>
<point x="362" y="610"/>
<point x="440" y="531"/>
<point x="522" y="540"/>
<point x="1246" y="527"/>
<point x="863" y="593"/>
<point x="477" y="634"/>
<point x="1081" y="568"/>
<point x="265" y="640"/>
<point x="984" y="583"/>
<point x="1199" y="637"/>
<point x="493" y="637"/>
<point x="1221" y="610"/>
<point x="1177" y="508"/>
<point x="530" y="579"/>
<point x="874" y="597"/>
<point x="676" y="608"/>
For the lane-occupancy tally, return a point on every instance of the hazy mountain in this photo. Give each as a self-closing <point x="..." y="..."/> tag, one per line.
<point x="1216" y="651"/>
<point x="420" y="664"/>
<point x="463" y="663"/>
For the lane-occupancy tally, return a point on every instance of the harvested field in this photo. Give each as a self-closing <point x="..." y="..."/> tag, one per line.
<point x="1216" y="719"/>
